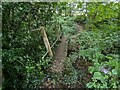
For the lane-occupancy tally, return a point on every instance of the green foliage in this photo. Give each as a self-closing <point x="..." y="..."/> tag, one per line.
<point x="100" y="46"/>
<point x="100" y="14"/>
<point x="66" y="24"/>
<point x="80" y="19"/>
<point x="23" y="49"/>
<point x="73" y="57"/>
<point x="70" y="75"/>
<point x="101" y="49"/>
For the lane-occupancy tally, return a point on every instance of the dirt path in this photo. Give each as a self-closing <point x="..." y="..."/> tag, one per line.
<point x="79" y="27"/>
<point x="61" y="52"/>
<point x="60" y="55"/>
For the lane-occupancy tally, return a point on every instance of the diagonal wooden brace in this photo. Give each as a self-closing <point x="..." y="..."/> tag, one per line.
<point x="47" y="44"/>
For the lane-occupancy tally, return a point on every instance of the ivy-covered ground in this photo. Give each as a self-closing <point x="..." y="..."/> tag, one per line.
<point x="92" y="37"/>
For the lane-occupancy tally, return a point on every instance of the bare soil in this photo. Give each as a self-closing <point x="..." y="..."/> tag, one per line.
<point x="60" y="55"/>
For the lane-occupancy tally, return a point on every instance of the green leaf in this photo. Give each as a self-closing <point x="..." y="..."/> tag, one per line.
<point x="97" y="75"/>
<point x="91" y="69"/>
<point x="110" y="58"/>
<point x="114" y="71"/>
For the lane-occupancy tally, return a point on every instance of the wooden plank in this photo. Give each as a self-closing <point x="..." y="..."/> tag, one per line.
<point x="47" y="44"/>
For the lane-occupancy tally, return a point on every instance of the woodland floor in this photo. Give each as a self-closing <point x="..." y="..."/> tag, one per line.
<point x="61" y="53"/>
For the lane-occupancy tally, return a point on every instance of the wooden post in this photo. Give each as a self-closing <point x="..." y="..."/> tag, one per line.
<point x="47" y="44"/>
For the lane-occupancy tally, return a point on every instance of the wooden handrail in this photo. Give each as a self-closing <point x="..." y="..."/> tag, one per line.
<point x="51" y="46"/>
<point x="47" y="44"/>
<point x="35" y="29"/>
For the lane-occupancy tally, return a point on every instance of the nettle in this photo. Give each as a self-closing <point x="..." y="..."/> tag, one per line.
<point x="70" y="75"/>
<point x="105" y="74"/>
<point x="101" y="50"/>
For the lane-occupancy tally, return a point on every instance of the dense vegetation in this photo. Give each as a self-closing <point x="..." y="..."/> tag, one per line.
<point x="93" y="57"/>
